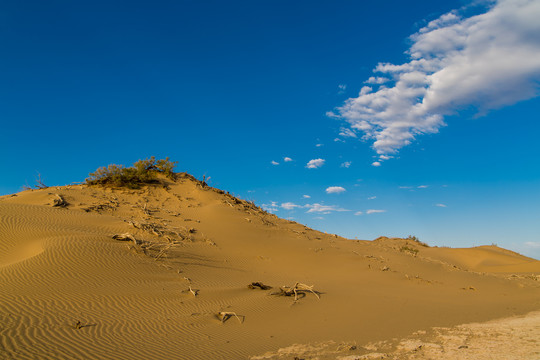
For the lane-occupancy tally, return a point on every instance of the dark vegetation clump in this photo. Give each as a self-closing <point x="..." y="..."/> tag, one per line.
<point x="142" y="172"/>
<point x="416" y="240"/>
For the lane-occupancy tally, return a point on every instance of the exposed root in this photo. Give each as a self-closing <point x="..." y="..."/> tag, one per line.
<point x="297" y="289"/>
<point x="225" y="315"/>
<point x="194" y="292"/>
<point x="59" y="201"/>
<point x="259" y="285"/>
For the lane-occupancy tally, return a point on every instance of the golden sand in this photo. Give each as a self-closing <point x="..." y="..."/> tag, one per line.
<point x="68" y="290"/>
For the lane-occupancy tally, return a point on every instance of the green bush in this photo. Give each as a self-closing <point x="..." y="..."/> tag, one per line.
<point x="141" y="173"/>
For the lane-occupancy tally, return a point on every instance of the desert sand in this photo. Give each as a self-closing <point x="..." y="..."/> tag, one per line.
<point x="175" y="286"/>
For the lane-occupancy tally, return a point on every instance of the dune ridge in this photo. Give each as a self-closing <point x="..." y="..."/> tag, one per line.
<point x="70" y="291"/>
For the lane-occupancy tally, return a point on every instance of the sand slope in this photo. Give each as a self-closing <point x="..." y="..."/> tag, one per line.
<point x="60" y="266"/>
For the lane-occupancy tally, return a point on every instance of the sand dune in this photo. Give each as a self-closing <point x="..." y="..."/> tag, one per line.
<point x="68" y="290"/>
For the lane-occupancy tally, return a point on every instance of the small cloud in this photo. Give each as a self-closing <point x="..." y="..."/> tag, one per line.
<point x="339" y="140"/>
<point x="345" y="132"/>
<point x="342" y="88"/>
<point x="289" y="206"/>
<point x="346" y="164"/>
<point x="287" y="159"/>
<point x="532" y="244"/>
<point x="405" y="187"/>
<point x="335" y="190"/>
<point x="441" y="205"/>
<point x="318" y="218"/>
<point x="423" y="186"/>
<point x="272" y="207"/>
<point x="376" y="80"/>
<point x="376" y="163"/>
<point x="385" y="157"/>
<point x="318" y="145"/>
<point x="373" y="211"/>
<point x="306" y="196"/>
<point x="372" y="198"/>
<point x="321" y="208"/>
<point x="315" y="163"/>
<point x="358" y="213"/>
<point x="274" y="162"/>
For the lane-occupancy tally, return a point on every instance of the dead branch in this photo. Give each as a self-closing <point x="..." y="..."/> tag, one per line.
<point x="259" y="285"/>
<point x="225" y="315"/>
<point x="126" y="237"/>
<point x="194" y="292"/>
<point x="297" y="289"/>
<point x="59" y="201"/>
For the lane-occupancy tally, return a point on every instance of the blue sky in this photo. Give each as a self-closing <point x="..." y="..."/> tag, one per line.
<point x="425" y="113"/>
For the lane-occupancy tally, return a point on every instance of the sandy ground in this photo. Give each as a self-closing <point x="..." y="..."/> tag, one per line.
<point x="68" y="290"/>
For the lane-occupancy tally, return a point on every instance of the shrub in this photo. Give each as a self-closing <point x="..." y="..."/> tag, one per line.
<point x="416" y="240"/>
<point x="409" y="250"/>
<point x="141" y="173"/>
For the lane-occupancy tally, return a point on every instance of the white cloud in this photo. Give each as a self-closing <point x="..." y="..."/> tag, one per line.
<point x="272" y="207"/>
<point x="346" y="164"/>
<point x="335" y="190"/>
<point x="323" y="208"/>
<point x="532" y="244"/>
<point x="289" y="206"/>
<point x="306" y="196"/>
<point x="287" y="159"/>
<point x="486" y="61"/>
<point x="358" y="213"/>
<point x="372" y="198"/>
<point x="346" y="132"/>
<point x="440" y="205"/>
<point x="376" y="80"/>
<point x="376" y="163"/>
<point x="405" y="187"/>
<point x="373" y="211"/>
<point x="318" y="145"/>
<point x="274" y="162"/>
<point x="422" y="186"/>
<point x="342" y="88"/>
<point x="315" y="163"/>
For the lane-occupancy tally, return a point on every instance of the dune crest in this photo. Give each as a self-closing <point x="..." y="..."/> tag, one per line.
<point x="178" y="286"/>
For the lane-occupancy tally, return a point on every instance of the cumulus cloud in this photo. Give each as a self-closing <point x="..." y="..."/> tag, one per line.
<point x="376" y="80"/>
<point x="346" y="164"/>
<point x="373" y="211"/>
<point x="346" y="132"/>
<point x="440" y="205"/>
<point x="486" y="61"/>
<point x="274" y="162"/>
<point x="315" y="163"/>
<point x="335" y="190"/>
<point x="289" y="206"/>
<point x="376" y="163"/>
<point x="321" y="208"/>
<point x="306" y="196"/>
<point x="287" y="159"/>
<point x="272" y="207"/>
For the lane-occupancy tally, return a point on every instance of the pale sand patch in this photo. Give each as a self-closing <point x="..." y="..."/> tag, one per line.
<point x="514" y="338"/>
<point x="503" y="339"/>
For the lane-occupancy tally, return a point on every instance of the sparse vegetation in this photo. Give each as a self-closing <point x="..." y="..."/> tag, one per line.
<point x="416" y="240"/>
<point x="141" y="173"/>
<point x="39" y="184"/>
<point x="410" y="250"/>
